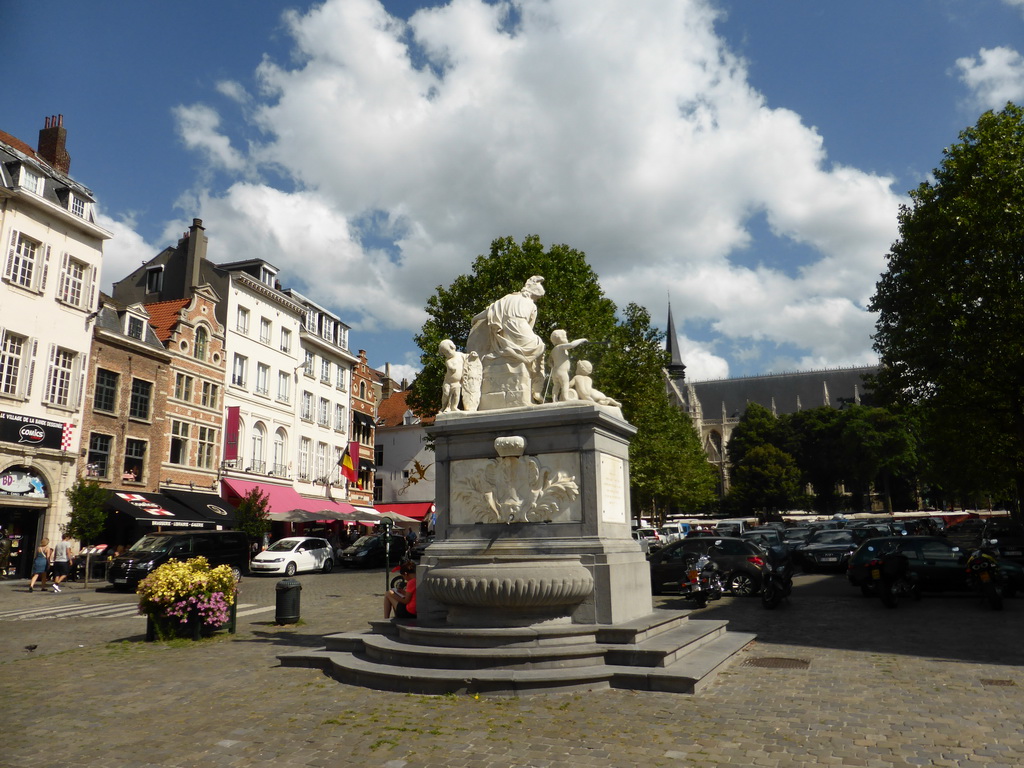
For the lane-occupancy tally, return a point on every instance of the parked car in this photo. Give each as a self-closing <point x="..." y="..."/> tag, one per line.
<point x="798" y="534"/>
<point x="218" y="547"/>
<point x="765" y="538"/>
<point x="673" y="532"/>
<point x="936" y="564"/>
<point x="830" y="549"/>
<point x="1009" y="537"/>
<point x="740" y="562"/>
<point x="368" y="551"/>
<point x="294" y="554"/>
<point x="648" y="536"/>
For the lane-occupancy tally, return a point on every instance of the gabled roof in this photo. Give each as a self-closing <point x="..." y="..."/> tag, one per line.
<point x="391" y="412"/>
<point x="163" y="316"/>
<point x="18" y="144"/>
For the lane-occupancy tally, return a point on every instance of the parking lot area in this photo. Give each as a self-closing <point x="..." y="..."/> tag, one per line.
<point x="833" y="679"/>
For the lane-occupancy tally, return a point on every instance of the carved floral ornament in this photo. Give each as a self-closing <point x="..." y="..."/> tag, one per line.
<point x="513" y="488"/>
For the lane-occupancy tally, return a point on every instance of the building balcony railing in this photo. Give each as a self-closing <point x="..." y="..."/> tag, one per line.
<point x="259" y="467"/>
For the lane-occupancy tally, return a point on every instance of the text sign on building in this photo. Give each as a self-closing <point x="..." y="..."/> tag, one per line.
<point x="30" y="431"/>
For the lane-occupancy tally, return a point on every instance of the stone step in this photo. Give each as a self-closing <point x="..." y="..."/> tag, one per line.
<point x="386" y="650"/>
<point x="688" y="674"/>
<point x="667" y="647"/>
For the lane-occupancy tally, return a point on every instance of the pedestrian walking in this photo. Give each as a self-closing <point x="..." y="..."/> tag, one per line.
<point x="40" y="564"/>
<point x="61" y="561"/>
<point x="5" y="553"/>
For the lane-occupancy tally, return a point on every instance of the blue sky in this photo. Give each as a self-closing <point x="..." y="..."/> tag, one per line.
<point x="745" y="158"/>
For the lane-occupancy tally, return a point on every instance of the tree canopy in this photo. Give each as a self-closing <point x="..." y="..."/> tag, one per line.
<point x="950" y="306"/>
<point x="667" y="464"/>
<point x="88" y="516"/>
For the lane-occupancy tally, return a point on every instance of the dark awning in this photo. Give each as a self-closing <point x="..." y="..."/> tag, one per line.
<point x="366" y="464"/>
<point x="157" y="510"/>
<point x="362" y="419"/>
<point x="208" y="505"/>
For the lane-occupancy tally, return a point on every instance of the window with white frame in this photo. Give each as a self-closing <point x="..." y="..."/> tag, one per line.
<point x="242" y="321"/>
<point x="324" y="413"/>
<point x="60" y="377"/>
<point x="280" y="468"/>
<point x="321" y="460"/>
<point x="259" y="435"/>
<point x="183" y="387"/>
<point x="307" y="406"/>
<point x="239" y="370"/>
<point x="262" y="379"/>
<point x="26" y="263"/>
<point x="325" y="370"/>
<point x="73" y="282"/>
<point x="307" y="365"/>
<point x="13" y="364"/>
<point x="154" y="279"/>
<point x="286" y="340"/>
<point x="77" y="204"/>
<point x="341" y="379"/>
<point x="265" y="330"/>
<point x="305" y="446"/>
<point x="311" y="320"/>
<point x="267" y="276"/>
<point x="327" y="330"/>
<point x="180" y="432"/>
<point x="284" y="380"/>
<point x="136" y="327"/>
<point x="30" y="180"/>
<point x="206" y="447"/>
<point x="339" y="417"/>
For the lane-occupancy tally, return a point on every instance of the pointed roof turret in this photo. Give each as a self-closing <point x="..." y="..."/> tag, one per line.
<point x="676" y="369"/>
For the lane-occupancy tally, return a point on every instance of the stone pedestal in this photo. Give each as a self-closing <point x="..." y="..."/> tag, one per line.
<point x="533" y="520"/>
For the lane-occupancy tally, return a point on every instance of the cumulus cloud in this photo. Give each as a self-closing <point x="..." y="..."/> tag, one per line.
<point x="124" y="251"/>
<point x="629" y="131"/>
<point x="995" y="76"/>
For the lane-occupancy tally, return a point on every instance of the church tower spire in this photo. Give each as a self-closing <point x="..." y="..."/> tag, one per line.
<point x="676" y="369"/>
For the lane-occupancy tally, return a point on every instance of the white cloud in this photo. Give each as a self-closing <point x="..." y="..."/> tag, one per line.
<point x="124" y="251"/>
<point x="626" y="130"/>
<point x="995" y="76"/>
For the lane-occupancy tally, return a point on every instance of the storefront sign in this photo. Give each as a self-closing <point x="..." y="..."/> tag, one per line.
<point x="31" y="431"/>
<point x="19" y="481"/>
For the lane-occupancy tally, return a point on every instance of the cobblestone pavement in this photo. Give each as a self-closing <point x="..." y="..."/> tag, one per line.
<point x="834" y="679"/>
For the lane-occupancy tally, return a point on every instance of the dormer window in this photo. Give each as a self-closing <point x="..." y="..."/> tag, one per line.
<point x="77" y="205"/>
<point x="154" y="279"/>
<point x="267" y="276"/>
<point x="136" y="327"/>
<point x="30" y="180"/>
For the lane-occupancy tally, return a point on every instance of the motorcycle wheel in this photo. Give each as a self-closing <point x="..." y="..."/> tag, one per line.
<point x="701" y="600"/>
<point x="771" y="596"/>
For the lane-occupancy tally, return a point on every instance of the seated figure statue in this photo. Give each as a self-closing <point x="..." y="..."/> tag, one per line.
<point x="511" y="353"/>
<point x="584" y="386"/>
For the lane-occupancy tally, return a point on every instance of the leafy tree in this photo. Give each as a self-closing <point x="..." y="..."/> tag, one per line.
<point x="767" y="478"/>
<point x="253" y="517"/>
<point x="666" y="462"/>
<point x="950" y="329"/>
<point x="877" y="445"/>
<point x="757" y="427"/>
<point x="88" y="515"/>
<point x="817" y="441"/>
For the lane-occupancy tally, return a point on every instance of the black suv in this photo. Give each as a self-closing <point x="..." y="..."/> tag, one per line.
<point x="368" y="551"/>
<point x="218" y="547"/>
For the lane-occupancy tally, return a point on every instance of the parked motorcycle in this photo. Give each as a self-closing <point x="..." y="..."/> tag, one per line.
<point x="985" y="576"/>
<point x="891" y="578"/>
<point x="703" y="582"/>
<point x="777" y="579"/>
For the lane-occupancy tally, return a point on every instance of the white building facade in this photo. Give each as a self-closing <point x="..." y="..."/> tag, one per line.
<point x="52" y="255"/>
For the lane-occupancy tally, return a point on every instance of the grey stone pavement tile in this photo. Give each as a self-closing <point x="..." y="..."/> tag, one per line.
<point x="935" y="683"/>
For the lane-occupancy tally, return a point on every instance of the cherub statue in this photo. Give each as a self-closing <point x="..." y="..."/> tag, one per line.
<point x="584" y="385"/>
<point x="560" y="389"/>
<point x="455" y="365"/>
<point x="472" y="377"/>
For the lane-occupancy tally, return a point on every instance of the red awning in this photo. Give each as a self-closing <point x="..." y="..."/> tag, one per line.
<point x="414" y="509"/>
<point x="283" y="500"/>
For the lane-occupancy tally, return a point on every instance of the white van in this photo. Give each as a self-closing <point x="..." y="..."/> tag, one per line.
<point x="734" y="526"/>
<point x="673" y="532"/>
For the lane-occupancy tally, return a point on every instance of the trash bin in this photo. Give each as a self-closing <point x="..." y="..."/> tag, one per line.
<point x="288" y="601"/>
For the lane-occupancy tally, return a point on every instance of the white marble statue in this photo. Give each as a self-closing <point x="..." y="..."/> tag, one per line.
<point x="583" y="384"/>
<point x="511" y="353"/>
<point x="472" y="377"/>
<point x="560" y="389"/>
<point x="455" y="365"/>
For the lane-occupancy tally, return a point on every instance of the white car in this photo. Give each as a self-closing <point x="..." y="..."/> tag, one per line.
<point x="294" y="554"/>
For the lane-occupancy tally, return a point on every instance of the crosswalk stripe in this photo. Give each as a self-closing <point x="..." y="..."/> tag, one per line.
<point x="99" y="611"/>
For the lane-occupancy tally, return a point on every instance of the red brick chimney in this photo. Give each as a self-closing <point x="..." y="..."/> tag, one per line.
<point x="52" y="141"/>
